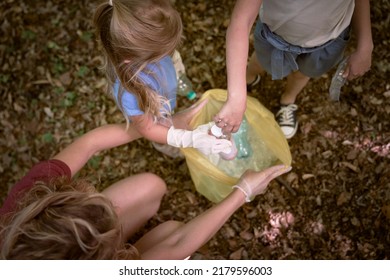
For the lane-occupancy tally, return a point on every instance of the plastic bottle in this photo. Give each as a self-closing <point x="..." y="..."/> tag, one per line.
<point x="338" y="81"/>
<point x="217" y="132"/>
<point x="184" y="87"/>
<point x="244" y="149"/>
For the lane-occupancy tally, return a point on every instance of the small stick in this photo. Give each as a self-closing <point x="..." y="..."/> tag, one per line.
<point x="287" y="185"/>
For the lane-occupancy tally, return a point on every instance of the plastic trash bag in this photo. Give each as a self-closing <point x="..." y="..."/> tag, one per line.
<point x="212" y="176"/>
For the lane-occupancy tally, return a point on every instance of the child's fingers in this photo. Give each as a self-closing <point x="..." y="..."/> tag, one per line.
<point x="346" y="71"/>
<point x="277" y="170"/>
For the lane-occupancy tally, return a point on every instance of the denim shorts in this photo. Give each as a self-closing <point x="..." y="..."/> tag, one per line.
<point x="279" y="58"/>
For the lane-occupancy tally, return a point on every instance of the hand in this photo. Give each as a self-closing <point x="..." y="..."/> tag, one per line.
<point x="183" y="118"/>
<point x="253" y="183"/>
<point x="198" y="139"/>
<point x="358" y="64"/>
<point x="208" y="144"/>
<point x="230" y="116"/>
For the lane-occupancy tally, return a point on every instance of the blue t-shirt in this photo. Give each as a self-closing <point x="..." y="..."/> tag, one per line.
<point x="163" y="81"/>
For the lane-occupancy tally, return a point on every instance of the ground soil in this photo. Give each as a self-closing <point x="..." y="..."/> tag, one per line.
<point x="334" y="204"/>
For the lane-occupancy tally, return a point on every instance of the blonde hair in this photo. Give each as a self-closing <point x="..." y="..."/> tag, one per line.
<point x="133" y="34"/>
<point x="63" y="219"/>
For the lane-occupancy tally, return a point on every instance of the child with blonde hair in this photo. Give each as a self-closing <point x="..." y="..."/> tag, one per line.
<point x="138" y="38"/>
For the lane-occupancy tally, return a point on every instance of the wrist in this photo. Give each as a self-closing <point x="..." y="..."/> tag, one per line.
<point x="243" y="193"/>
<point x="365" y="47"/>
<point x="179" y="138"/>
<point x="237" y="99"/>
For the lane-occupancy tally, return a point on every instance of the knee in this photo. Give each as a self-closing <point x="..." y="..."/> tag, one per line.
<point x="156" y="184"/>
<point x="153" y="190"/>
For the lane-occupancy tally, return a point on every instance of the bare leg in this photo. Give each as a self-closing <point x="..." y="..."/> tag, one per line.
<point x="296" y="81"/>
<point x="136" y="199"/>
<point x="253" y="69"/>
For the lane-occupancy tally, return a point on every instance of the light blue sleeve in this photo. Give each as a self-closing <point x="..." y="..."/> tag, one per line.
<point x="129" y="101"/>
<point x="169" y="77"/>
<point x="164" y="83"/>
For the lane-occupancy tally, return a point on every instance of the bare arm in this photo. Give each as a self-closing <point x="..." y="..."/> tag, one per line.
<point x="105" y="137"/>
<point x="185" y="240"/>
<point x="109" y="136"/>
<point x="237" y="47"/>
<point x="194" y="234"/>
<point x="360" y="61"/>
<point x="158" y="132"/>
<point x="151" y="130"/>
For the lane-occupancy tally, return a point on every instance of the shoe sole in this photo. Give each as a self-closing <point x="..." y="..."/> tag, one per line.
<point x="291" y="135"/>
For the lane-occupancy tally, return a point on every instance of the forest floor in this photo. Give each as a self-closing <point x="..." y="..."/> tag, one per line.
<point x="334" y="204"/>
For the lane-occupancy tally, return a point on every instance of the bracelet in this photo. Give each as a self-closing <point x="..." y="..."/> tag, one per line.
<point x="247" y="199"/>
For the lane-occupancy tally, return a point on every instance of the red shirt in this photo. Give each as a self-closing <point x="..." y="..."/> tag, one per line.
<point x="42" y="171"/>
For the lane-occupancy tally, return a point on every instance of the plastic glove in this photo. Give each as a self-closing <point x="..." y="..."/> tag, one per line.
<point x="253" y="183"/>
<point x="198" y="139"/>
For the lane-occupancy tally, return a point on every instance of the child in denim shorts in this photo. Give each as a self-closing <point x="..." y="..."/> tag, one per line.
<point x="294" y="39"/>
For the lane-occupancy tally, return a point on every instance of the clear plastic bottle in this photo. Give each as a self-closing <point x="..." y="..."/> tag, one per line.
<point x="184" y="87"/>
<point x="217" y="132"/>
<point x="338" y="81"/>
<point x="244" y="149"/>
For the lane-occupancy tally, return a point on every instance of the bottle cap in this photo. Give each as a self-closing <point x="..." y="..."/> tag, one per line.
<point x="216" y="131"/>
<point x="191" y="95"/>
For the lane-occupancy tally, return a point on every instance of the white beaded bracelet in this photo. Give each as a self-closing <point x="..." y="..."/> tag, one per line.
<point x="247" y="199"/>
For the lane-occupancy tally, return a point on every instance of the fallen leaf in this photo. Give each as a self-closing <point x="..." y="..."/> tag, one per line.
<point x="237" y="254"/>
<point x="386" y="211"/>
<point x="343" y="198"/>
<point x="350" y="166"/>
<point x="307" y="176"/>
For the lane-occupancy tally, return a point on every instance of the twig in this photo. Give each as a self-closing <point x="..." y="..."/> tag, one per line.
<point x="286" y="185"/>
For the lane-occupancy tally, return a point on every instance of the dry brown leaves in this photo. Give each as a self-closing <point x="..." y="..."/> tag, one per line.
<point x="334" y="204"/>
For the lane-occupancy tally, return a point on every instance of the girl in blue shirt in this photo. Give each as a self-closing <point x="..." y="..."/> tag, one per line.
<point x="138" y="37"/>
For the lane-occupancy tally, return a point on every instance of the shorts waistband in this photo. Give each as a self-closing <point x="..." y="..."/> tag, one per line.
<point x="284" y="52"/>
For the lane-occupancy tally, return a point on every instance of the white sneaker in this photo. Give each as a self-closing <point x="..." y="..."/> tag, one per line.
<point x="287" y="120"/>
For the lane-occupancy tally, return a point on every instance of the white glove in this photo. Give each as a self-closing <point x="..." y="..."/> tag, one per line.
<point x="198" y="139"/>
<point x="254" y="183"/>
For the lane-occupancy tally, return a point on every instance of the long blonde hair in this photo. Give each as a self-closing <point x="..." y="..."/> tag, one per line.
<point x="133" y="34"/>
<point x="63" y="219"/>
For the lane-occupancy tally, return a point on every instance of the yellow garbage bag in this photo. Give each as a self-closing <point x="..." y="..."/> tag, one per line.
<point x="212" y="181"/>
